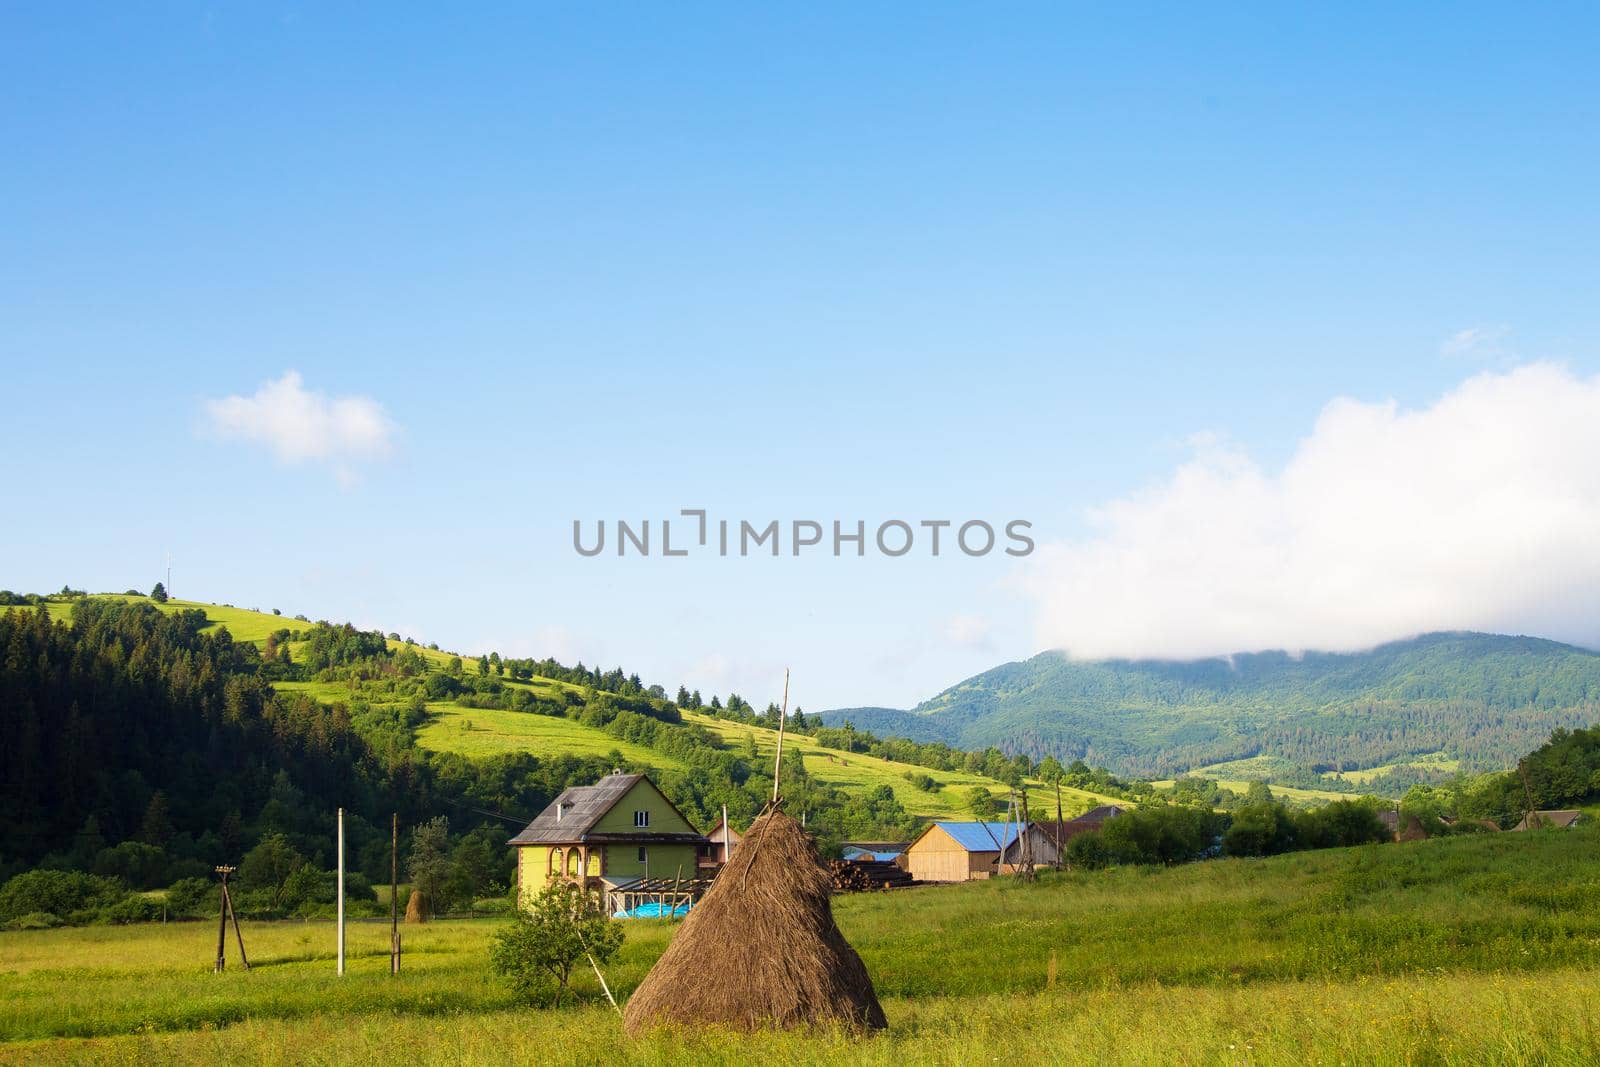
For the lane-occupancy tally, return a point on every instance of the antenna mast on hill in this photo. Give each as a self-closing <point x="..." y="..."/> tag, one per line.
<point x="783" y="716"/>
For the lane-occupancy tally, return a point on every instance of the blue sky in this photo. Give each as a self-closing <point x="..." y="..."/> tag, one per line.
<point x="828" y="263"/>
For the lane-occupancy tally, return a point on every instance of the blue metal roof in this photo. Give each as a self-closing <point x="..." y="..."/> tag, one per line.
<point x="981" y="836"/>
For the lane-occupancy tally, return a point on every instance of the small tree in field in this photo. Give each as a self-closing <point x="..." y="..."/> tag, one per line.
<point x="159" y="593"/>
<point x="547" y="939"/>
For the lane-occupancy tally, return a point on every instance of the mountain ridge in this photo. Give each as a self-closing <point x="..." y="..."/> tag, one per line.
<point x="1479" y="697"/>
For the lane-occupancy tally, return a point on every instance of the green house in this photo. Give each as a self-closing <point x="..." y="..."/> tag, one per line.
<point x="621" y="828"/>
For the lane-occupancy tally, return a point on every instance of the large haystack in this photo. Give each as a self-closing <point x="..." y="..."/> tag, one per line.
<point x="760" y="949"/>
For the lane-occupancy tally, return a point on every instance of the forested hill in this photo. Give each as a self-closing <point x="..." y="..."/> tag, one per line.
<point x="145" y="740"/>
<point x="1480" y="699"/>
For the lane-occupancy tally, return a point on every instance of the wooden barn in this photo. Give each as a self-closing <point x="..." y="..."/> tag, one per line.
<point x="961" y="851"/>
<point x="620" y="830"/>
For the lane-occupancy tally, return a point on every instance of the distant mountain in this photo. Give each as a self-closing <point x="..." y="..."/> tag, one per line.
<point x="1482" y="699"/>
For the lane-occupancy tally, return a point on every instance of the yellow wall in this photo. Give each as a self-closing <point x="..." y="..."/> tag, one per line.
<point x="643" y="797"/>
<point x="619" y="860"/>
<point x="533" y="863"/>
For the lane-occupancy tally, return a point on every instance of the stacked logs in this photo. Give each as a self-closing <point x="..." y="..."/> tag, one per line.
<point x="863" y="876"/>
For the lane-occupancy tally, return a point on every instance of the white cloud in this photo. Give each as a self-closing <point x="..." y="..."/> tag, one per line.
<point x="970" y="631"/>
<point x="301" y="426"/>
<point x="1477" y="342"/>
<point x="1479" y="512"/>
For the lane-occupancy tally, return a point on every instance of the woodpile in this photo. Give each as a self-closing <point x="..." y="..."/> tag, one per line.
<point x="864" y="876"/>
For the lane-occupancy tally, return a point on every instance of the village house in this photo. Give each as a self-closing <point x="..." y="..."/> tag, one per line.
<point x="1059" y="833"/>
<point x="619" y="831"/>
<point x="722" y="839"/>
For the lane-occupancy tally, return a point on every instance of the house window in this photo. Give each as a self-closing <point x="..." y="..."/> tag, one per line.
<point x="642" y="854"/>
<point x="641" y="819"/>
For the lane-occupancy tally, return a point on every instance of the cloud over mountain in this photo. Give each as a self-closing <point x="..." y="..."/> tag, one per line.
<point x="1481" y="511"/>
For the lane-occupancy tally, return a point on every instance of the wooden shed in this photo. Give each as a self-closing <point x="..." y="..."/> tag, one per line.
<point x="959" y="851"/>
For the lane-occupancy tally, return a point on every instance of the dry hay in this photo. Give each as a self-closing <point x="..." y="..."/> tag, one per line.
<point x="761" y="948"/>
<point x="417" y="907"/>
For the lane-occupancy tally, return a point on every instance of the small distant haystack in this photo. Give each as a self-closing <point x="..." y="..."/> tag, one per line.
<point x="760" y="950"/>
<point x="417" y="907"/>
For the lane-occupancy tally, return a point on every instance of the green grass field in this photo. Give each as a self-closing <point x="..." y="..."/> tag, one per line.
<point x="1433" y="761"/>
<point x="243" y="624"/>
<point x="1458" y="950"/>
<point x="493" y="732"/>
<point x="1241" y="786"/>
<point x="854" y="772"/>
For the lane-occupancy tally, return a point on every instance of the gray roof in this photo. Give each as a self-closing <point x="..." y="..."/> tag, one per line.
<point x="571" y="816"/>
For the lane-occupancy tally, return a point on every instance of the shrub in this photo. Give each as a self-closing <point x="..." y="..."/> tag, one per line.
<point x="56" y="893"/>
<point x="537" y="952"/>
<point x="193" y="896"/>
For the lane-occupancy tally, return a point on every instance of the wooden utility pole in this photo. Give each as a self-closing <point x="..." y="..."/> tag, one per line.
<point x="1026" y="833"/>
<point x="225" y="913"/>
<point x="1530" y="817"/>
<point x="783" y="717"/>
<point x="394" y="894"/>
<point x="222" y="921"/>
<point x="340" y="888"/>
<point x="1061" y="861"/>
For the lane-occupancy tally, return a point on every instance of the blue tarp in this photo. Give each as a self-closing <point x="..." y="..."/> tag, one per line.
<point x="863" y="854"/>
<point x="653" y="911"/>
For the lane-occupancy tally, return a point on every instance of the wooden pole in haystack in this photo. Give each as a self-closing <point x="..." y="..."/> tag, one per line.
<point x="783" y="717"/>
<point x="394" y="894"/>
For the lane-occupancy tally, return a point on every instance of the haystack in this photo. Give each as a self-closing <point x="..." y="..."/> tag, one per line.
<point x="417" y="907"/>
<point x="760" y="950"/>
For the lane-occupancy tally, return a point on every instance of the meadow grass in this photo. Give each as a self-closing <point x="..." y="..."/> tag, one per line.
<point x="242" y="624"/>
<point x="855" y="772"/>
<point x="1458" y="950"/>
<point x="493" y="732"/>
<point x="1433" y="761"/>
<point x="1241" y="786"/>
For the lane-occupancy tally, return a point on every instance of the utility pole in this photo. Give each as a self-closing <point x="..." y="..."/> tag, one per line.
<point x="341" y="891"/>
<point x="226" y="913"/>
<point x="1027" y="839"/>
<point x="222" y="922"/>
<point x="394" y="895"/>
<point x="1530" y="817"/>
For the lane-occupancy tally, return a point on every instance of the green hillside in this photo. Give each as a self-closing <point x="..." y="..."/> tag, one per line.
<point x="155" y="741"/>
<point x="1463" y="700"/>
<point x="244" y="624"/>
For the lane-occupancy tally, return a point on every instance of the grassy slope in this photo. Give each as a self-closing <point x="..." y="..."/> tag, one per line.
<point x="243" y="624"/>
<point x="502" y="731"/>
<point x="493" y="732"/>
<point x="1480" y="949"/>
<point x="1241" y="786"/>
<point x="855" y="772"/>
